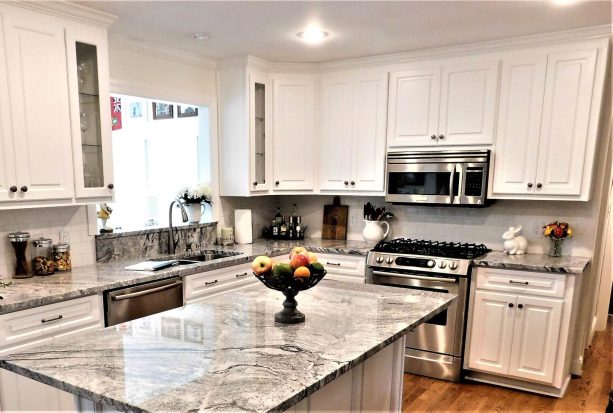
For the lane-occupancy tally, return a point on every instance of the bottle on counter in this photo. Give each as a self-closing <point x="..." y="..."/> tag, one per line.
<point x="61" y="257"/>
<point x="19" y="242"/>
<point x="42" y="256"/>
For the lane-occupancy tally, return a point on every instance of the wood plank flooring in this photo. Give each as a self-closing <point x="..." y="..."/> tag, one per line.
<point x="588" y="393"/>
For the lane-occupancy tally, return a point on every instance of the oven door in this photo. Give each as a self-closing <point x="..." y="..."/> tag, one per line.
<point x="429" y="183"/>
<point x="440" y="333"/>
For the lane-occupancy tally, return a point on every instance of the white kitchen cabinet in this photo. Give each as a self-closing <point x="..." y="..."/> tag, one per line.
<point x="24" y="329"/>
<point x="451" y="103"/>
<point x="88" y="75"/>
<point x="245" y="144"/>
<point x="293" y="132"/>
<point x="344" y="267"/>
<point x="519" y="329"/>
<point x="547" y="124"/>
<point x="35" y="57"/>
<point x="352" y="132"/>
<point x="198" y="287"/>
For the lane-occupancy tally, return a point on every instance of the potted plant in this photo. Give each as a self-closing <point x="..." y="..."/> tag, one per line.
<point x="194" y="199"/>
<point x="557" y="232"/>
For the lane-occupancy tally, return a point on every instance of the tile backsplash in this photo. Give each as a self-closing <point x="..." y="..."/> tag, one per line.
<point x="47" y="222"/>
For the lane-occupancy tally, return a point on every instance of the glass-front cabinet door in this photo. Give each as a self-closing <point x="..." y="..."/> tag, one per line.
<point x="90" y="108"/>
<point x="259" y="136"/>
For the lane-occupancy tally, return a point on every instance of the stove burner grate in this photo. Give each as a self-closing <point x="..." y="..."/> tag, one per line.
<point x="444" y="249"/>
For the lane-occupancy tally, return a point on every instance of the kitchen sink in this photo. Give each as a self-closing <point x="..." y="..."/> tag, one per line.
<point x="200" y="256"/>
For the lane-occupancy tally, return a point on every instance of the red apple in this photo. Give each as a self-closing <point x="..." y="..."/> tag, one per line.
<point x="261" y="265"/>
<point x="296" y="251"/>
<point x="299" y="260"/>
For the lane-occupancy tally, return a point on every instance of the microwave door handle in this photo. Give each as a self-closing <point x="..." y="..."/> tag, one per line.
<point x="451" y="182"/>
<point x="461" y="192"/>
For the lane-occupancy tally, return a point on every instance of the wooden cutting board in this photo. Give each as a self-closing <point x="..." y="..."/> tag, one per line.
<point x="335" y="220"/>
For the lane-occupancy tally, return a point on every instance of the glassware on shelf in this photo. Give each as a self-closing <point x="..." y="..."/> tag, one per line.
<point x="61" y="256"/>
<point x="42" y="256"/>
<point x="19" y="242"/>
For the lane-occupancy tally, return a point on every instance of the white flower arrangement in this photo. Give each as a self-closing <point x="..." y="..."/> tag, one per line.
<point x="196" y="194"/>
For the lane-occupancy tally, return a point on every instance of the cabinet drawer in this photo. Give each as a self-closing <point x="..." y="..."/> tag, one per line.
<point x="211" y="282"/>
<point x="37" y="324"/>
<point x="339" y="264"/>
<point x="349" y="278"/>
<point x="534" y="283"/>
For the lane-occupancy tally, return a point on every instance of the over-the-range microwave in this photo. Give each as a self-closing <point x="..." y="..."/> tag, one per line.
<point x="440" y="178"/>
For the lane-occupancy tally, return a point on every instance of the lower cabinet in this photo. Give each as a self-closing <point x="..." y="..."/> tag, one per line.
<point x="519" y="330"/>
<point x="23" y="329"/>
<point x="343" y="267"/>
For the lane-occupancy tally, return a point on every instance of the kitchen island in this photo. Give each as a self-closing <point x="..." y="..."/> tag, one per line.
<point x="227" y="354"/>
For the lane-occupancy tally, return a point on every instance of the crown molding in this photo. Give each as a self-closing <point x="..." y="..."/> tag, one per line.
<point x="67" y="10"/>
<point x="120" y="41"/>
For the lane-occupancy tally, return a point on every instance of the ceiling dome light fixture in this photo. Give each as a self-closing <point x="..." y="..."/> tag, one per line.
<point x="200" y="36"/>
<point x="312" y="35"/>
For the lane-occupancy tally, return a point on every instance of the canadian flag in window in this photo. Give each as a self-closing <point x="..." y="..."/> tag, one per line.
<point x="116" y="113"/>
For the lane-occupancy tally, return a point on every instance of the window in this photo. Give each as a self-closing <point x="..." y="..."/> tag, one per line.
<point x="158" y="147"/>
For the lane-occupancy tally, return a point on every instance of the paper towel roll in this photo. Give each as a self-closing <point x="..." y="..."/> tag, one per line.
<point x="243" y="233"/>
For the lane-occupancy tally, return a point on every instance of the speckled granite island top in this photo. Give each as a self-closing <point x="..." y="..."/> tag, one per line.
<point x="533" y="262"/>
<point x="93" y="279"/>
<point x="226" y="354"/>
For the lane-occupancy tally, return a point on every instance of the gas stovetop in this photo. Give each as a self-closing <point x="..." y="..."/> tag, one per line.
<point x="450" y="258"/>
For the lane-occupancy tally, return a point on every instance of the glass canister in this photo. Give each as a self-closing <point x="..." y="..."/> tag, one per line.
<point x="61" y="255"/>
<point x="42" y="256"/>
<point x="19" y="242"/>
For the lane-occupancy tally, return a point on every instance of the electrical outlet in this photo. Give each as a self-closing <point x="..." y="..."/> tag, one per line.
<point x="353" y="220"/>
<point x="537" y="230"/>
<point x="64" y="236"/>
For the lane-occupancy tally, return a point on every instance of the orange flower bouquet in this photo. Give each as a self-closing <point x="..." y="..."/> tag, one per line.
<point x="557" y="232"/>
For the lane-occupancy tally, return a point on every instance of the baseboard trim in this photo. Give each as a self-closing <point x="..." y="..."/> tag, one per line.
<point x="518" y="384"/>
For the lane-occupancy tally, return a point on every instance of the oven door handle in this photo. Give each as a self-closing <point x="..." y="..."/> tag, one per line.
<point x="416" y="277"/>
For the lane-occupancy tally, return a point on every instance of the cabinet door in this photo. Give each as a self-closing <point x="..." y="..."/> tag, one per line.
<point x="535" y="338"/>
<point x="413" y="107"/>
<point x="468" y="103"/>
<point x="491" y="334"/>
<point x="369" y="113"/>
<point x="565" y="125"/>
<point x="519" y="124"/>
<point x="259" y="131"/>
<point x="7" y="164"/>
<point x="336" y="129"/>
<point x="293" y="125"/>
<point x="38" y="91"/>
<point x="90" y="106"/>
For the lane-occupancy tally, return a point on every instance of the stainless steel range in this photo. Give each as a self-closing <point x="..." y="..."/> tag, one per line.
<point x="435" y="348"/>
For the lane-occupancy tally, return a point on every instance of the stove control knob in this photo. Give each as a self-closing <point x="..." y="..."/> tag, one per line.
<point x="442" y="264"/>
<point x="379" y="259"/>
<point x="431" y="263"/>
<point x="389" y="260"/>
<point x="453" y="266"/>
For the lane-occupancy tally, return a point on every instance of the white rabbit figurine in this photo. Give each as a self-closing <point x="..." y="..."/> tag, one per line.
<point x="514" y="244"/>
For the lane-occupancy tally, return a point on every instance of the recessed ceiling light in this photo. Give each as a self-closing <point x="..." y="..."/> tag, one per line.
<point x="200" y="36"/>
<point x="564" y="2"/>
<point x="313" y="35"/>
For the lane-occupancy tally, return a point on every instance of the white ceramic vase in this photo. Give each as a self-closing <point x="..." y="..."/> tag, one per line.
<point x="373" y="231"/>
<point x="194" y="213"/>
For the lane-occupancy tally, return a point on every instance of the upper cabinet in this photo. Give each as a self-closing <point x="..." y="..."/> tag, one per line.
<point x="245" y="144"/>
<point x="443" y="104"/>
<point x="42" y="110"/>
<point x="352" y="132"/>
<point x="293" y="132"/>
<point x="547" y="125"/>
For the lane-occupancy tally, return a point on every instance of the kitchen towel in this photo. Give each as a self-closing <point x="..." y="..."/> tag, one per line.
<point x="243" y="232"/>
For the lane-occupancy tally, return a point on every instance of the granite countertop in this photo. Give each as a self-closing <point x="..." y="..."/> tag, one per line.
<point x="227" y="354"/>
<point x="533" y="262"/>
<point x="93" y="279"/>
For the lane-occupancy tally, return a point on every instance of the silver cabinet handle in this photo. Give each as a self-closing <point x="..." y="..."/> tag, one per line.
<point x="146" y="292"/>
<point x="210" y="282"/>
<point x="333" y="263"/>
<point x="48" y="320"/>
<point x="240" y="275"/>
<point x="518" y="282"/>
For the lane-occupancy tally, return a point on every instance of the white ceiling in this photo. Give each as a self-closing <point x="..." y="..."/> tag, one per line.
<point x="267" y="29"/>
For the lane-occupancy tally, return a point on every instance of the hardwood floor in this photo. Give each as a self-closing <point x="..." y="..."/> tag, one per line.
<point x="585" y="394"/>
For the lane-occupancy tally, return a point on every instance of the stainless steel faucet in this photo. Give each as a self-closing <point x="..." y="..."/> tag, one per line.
<point x="172" y="245"/>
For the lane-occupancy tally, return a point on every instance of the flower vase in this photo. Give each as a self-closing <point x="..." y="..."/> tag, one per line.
<point x="556" y="247"/>
<point x="194" y="212"/>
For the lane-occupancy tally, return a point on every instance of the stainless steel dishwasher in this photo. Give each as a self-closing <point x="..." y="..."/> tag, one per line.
<point x="141" y="300"/>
